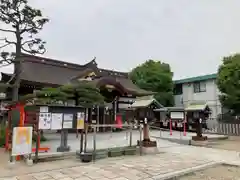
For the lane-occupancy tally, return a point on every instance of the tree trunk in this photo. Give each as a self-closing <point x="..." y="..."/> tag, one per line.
<point x="17" y="67"/>
<point x="16" y="84"/>
<point x="146" y="136"/>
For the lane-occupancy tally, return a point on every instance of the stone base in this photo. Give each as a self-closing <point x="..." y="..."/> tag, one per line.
<point x="63" y="149"/>
<point x="101" y="154"/>
<point x="11" y="164"/>
<point x="197" y="138"/>
<point x="115" y="153"/>
<point x="199" y="143"/>
<point x="150" y="150"/>
<point x="86" y="157"/>
<point x="147" y="143"/>
<point x="29" y="162"/>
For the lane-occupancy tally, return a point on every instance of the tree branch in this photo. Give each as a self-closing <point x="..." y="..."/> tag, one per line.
<point x="12" y="77"/>
<point x="27" y="51"/>
<point x="7" y="30"/>
<point x="5" y="45"/>
<point x="4" y="65"/>
<point x="9" y="61"/>
<point x="32" y="51"/>
<point x="29" y="41"/>
<point x="35" y="26"/>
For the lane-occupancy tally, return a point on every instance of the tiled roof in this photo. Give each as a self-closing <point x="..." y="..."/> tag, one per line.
<point x="49" y="71"/>
<point x="197" y="78"/>
<point x="145" y="101"/>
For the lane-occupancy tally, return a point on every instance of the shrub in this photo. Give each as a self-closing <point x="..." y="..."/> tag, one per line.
<point x="2" y="135"/>
<point x="42" y="139"/>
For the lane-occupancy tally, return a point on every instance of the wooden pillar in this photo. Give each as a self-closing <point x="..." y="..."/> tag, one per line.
<point x="22" y="115"/>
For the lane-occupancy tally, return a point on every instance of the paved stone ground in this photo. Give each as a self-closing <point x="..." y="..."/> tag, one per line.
<point x="117" y="139"/>
<point x="176" y="157"/>
<point x="125" y="168"/>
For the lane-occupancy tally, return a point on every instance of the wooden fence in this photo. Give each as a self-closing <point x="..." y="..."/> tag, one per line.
<point x="226" y="129"/>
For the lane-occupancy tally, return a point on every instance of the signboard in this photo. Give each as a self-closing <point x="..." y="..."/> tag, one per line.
<point x="43" y="109"/>
<point x="44" y="121"/>
<point x="177" y="115"/>
<point x="22" y="141"/>
<point x="67" y="121"/>
<point x="80" y="120"/>
<point x="57" y="120"/>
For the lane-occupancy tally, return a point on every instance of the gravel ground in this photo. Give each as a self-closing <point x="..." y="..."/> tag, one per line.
<point x="221" y="172"/>
<point x="232" y="144"/>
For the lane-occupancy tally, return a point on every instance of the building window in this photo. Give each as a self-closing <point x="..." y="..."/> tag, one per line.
<point x="178" y="89"/>
<point x="199" y="87"/>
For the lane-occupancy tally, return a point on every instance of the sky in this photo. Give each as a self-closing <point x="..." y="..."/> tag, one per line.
<point x="191" y="35"/>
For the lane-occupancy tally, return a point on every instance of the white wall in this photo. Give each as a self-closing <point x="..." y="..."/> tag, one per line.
<point x="210" y="97"/>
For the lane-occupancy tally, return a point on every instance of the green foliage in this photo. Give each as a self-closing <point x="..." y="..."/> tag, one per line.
<point x="47" y="96"/>
<point x="42" y="138"/>
<point x="2" y="135"/>
<point x="157" y="77"/>
<point x="228" y="82"/>
<point x="85" y="93"/>
<point x="51" y="95"/>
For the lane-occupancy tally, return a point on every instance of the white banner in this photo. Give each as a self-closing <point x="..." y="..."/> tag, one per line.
<point x="22" y="141"/>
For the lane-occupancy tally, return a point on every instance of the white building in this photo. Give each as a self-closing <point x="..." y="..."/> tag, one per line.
<point x="201" y="89"/>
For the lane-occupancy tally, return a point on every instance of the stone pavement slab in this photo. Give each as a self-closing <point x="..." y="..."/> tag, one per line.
<point x="176" y="158"/>
<point x="124" y="168"/>
<point x="218" y="155"/>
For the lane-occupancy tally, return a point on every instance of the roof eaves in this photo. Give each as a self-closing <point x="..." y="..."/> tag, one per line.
<point x="197" y="78"/>
<point x="53" y="62"/>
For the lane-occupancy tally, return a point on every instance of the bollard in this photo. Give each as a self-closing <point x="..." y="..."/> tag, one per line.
<point x="94" y="143"/>
<point x="127" y="132"/>
<point x="184" y="128"/>
<point x="160" y="131"/>
<point x="170" y="127"/>
<point x="130" y="134"/>
<point x="140" y="141"/>
<point x="180" y="133"/>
